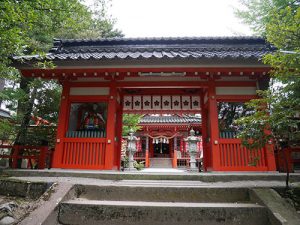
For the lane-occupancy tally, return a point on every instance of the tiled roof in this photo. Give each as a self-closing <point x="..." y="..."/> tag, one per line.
<point x="167" y="48"/>
<point x="4" y="113"/>
<point x="185" y="119"/>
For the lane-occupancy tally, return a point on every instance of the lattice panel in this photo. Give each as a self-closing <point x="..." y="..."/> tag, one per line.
<point x="147" y="104"/>
<point x="161" y="103"/>
<point x="176" y="102"/>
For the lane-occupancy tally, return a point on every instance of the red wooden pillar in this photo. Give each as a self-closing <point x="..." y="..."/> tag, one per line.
<point x="111" y="128"/>
<point x="214" y="125"/>
<point x="181" y="144"/>
<point x="42" y="157"/>
<point x="147" y="164"/>
<point x="204" y="132"/>
<point x="151" y="150"/>
<point x="62" y="126"/>
<point x="119" y="133"/>
<point x="175" y="153"/>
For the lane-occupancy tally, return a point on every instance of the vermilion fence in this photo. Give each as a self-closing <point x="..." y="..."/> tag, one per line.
<point x="235" y="157"/>
<point x="83" y="153"/>
<point x="183" y="159"/>
<point x="36" y="155"/>
<point x="139" y="155"/>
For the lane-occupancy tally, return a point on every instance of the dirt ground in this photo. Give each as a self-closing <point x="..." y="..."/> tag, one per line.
<point x="20" y="207"/>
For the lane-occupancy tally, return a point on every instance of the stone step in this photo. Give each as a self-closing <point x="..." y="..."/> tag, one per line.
<point x="116" y="175"/>
<point x="160" y="162"/>
<point x="90" y="212"/>
<point x="162" y="193"/>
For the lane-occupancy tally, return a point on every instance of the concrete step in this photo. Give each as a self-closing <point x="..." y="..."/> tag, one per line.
<point x="160" y="205"/>
<point x="160" y="162"/>
<point x="162" y="194"/>
<point x="139" y="175"/>
<point x="90" y="212"/>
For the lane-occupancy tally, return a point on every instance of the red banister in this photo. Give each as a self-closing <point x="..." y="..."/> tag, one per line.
<point x="38" y="153"/>
<point x="235" y="157"/>
<point x="229" y="140"/>
<point x="83" y="153"/>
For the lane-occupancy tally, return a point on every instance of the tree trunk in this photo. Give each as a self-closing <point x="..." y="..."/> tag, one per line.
<point x="25" y="110"/>
<point x="287" y="178"/>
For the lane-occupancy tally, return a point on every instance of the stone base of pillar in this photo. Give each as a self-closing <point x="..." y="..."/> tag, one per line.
<point x="130" y="169"/>
<point x="192" y="170"/>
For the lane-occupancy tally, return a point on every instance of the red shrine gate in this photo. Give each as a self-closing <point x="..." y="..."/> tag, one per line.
<point x="103" y="78"/>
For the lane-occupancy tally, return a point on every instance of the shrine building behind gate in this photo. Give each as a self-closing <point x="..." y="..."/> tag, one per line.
<point x="102" y="79"/>
<point x="161" y="140"/>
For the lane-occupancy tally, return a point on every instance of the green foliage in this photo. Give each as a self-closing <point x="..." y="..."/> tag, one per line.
<point x="48" y="101"/>
<point x="7" y="130"/>
<point x="136" y="164"/>
<point x="125" y="161"/>
<point x="139" y="165"/>
<point x="130" y="121"/>
<point x="257" y="13"/>
<point x="228" y="113"/>
<point x="253" y="127"/>
<point x="277" y="111"/>
<point x="28" y="27"/>
<point x="283" y="32"/>
<point x="41" y="135"/>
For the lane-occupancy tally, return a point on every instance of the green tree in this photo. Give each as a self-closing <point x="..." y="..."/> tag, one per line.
<point x="28" y="27"/>
<point x="276" y="113"/>
<point x="130" y="121"/>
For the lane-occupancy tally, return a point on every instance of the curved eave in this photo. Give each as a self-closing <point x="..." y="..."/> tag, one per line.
<point x="140" y="56"/>
<point x="147" y="63"/>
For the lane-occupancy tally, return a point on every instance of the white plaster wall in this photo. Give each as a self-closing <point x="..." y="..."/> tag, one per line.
<point x="235" y="78"/>
<point x="90" y="79"/>
<point x="235" y="90"/>
<point x="154" y="78"/>
<point x="89" y="91"/>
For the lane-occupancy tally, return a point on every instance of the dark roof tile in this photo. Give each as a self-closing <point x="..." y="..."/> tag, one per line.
<point x="4" y="114"/>
<point x="170" y="48"/>
<point x="150" y="119"/>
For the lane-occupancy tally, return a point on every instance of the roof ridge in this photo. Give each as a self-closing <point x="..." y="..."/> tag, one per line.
<point x="158" y="38"/>
<point x="156" y="42"/>
<point x="229" y="47"/>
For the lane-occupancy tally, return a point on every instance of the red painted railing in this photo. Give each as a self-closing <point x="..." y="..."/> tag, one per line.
<point x="207" y="161"/>
<point x="235" y="157"/>
<point x="34" y="154"/>
<point x="83" y="153"/>
<point x="287" y="159"/>
<point x="139" y="155"/>
<point x="183" y="160"/>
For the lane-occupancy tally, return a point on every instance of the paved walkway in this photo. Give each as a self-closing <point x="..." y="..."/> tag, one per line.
<point x="163" y="170"/>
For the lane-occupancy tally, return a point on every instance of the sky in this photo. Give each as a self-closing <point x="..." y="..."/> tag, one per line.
<point x="177" y="18"/>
